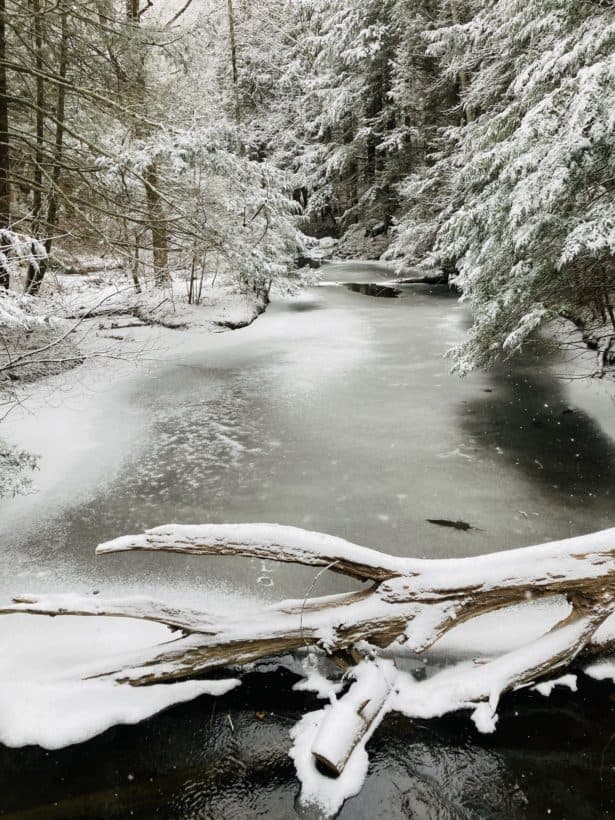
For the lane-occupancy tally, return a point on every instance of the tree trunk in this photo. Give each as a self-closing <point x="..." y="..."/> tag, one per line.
<point x="351" y="718"/>
<point x="52" y="206"/>
<point x="132" y="10"/>
<point x="412" y="601"/>
<point x="233" y="47"/>
<point x="155" y="210"/>
<point x="5" y="185"/>
<point x="410" y="605"/>
<point x="37" y="203"/>
<point x="36" y="271"/>
<point x="160" y="246"/>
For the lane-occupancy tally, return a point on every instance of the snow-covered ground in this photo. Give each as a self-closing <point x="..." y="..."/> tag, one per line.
<point x="49" y="694"/>
<point x="69" y="302"/>
<point x="107" y="293"/>
<point x="98" y="317"/>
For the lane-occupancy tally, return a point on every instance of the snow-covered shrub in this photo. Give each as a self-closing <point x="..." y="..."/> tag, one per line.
<point x="19" y="312"/>
<point x="20" y="249"/>
<point x="15" y="469"/>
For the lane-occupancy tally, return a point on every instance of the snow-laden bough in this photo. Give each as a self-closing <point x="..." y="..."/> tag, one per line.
<point x="405" y="607"/>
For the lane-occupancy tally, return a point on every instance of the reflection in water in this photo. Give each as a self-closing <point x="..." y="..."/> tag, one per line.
<point x="305" y="305"/>
<point x="355" y="271"/>
<point x="526" y="418"/>
<point x="194" y="762"/>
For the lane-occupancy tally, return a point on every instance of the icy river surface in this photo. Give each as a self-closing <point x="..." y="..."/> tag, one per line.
<point x="335" y="412"/>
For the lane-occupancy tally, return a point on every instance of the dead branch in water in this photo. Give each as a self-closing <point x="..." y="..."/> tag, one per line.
<point x="408" y="603"/>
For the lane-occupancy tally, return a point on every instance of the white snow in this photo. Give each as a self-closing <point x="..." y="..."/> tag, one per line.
<point x="18" y="311"/>
<point x="469" y="683"/>
<point x="567" y="681"/>
<point x="331" y="729"/>
<point x="484" y="718"/>
<point x="316" y="789"/>
<point x="47" y="694"/>
<point x="543" y="562"/>
<point x="296" y="542"/>
<point x="314" y="680"/>
<point x="603" y="669"/>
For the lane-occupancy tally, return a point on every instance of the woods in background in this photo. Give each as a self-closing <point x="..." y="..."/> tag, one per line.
<point x="117" y="132"/>
<point x="475" y="134"/>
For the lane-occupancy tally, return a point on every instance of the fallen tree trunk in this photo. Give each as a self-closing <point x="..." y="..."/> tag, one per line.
<point x="412" y="602"/>
<point x="407" y="605"/>
<point x="427" y="279"/>
<point x="140" y="312"/>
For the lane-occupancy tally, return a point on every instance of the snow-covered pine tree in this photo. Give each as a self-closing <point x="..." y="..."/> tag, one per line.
<point x="522" y="197"/>
<point x="238" y="200"/>
<point x="349" y="111"/>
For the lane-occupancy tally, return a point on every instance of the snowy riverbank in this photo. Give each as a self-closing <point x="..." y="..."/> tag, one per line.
<point x="55" y="692"/>
<point x="58" y="330"/>
<point x="98" y="317"/>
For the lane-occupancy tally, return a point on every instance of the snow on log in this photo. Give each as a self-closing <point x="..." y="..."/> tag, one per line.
<point x="134" y="607"/>
<point x="350" y="718"/>
<point x="479" y="686"/>
<point x="266" y="542"/>
<point x="407" y="604"/>
<point x="411" y="601"/>
<point x="573" y="559"/>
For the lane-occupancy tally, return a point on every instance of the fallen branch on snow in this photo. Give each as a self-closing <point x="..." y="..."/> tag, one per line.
<point x="409" y="605"/>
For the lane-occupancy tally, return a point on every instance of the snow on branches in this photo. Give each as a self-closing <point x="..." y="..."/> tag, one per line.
<point x="17" y="249"/>
<point x="521" y="191"/>
<point x="408" y="606"/>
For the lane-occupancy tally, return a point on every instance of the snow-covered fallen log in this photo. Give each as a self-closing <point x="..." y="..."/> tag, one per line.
<point x="407" y="605"/>
<point x="355" y="715"/>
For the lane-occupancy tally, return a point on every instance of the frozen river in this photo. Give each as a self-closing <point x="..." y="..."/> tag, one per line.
<point x="334" y="412"/>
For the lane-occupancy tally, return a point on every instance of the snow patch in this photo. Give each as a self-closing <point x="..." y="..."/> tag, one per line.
<point x="315" y="681"/>
<point x="602" y="670"/>
<point x="545" y="688"/>
<point x="484" y="718"/>
<point x="49" y="700"/>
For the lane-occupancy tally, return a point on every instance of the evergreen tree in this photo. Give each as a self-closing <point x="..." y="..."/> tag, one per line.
<point x="521" y="195"/>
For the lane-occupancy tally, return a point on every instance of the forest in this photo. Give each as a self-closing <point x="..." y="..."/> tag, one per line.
<point x="476" y="136"/>
<point x="169" y="173"/>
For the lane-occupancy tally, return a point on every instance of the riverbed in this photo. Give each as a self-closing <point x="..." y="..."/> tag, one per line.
<point x="335" y="411"/>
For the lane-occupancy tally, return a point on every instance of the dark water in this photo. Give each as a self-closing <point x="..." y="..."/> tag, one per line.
<point x="335" y="412"/>
<point x="369" y="289"/>
<point x="217" y="759"/>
